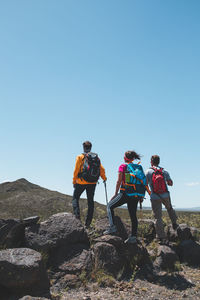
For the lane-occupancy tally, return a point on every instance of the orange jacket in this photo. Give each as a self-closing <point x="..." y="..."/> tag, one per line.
<point x="78" y="168"/>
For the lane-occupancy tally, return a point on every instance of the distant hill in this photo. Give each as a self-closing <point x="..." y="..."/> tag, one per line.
<point x="188" y="209"/>
<point x="21" y="198"/>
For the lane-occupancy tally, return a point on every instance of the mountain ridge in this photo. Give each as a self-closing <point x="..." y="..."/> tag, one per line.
<point x="21" y="199"/>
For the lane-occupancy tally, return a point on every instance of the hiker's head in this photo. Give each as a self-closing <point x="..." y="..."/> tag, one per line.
<point x="155" y="160"/>
<point x="129" y="156"/>
<point x="87" y="146"/>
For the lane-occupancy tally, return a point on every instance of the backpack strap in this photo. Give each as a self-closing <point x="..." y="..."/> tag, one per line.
<point x="155" y="170"/>
<point x="80" y="173"/>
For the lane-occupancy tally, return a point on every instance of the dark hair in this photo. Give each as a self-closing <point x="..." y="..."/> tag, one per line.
<point x="155" y="160"/>
<point x="132" y="155"/>
<point x="87" y="145"/>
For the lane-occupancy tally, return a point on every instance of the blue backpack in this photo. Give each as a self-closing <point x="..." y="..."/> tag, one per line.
<point x="135" y="180"/>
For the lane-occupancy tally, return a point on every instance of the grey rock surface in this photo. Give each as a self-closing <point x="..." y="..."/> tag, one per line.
<point x="33" y="298"/>
<point x="60" y="230"/>
<point x="118" y="258"/>
<point x="22" y="271"/>
<point x="189" y="252"/>
<point x="107" y="258"/>
<point x="166" y="258"/>
<point x="181" y="234"/>
<point x="122" y="230"/>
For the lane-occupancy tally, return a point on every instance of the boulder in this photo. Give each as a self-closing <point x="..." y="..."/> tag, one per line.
<point x="107" y="258"/>
<point x="189" y="252"/>
<point x="184" y="232"/>
<point x="9" y="221"/>
<point x="110" y="239"/>
<point x="166" y="258"/>
<point x="146" y="229"/>
<point x="136" y="255"/>
<point x="181" y="234"/>
<point x="68" y="281"/>
<point x="33" y="298"/>
<point x="22" y="271"/>
<point x="102" y="224"/>
<point x="66" y="273"/>
<point x="30" y="220"/>
<point x="195" y="233"/>
<point x="79" y="259"/>
<point x="64" y="243"/>
<point x="55" y="236"/>
<point x="11" y="233"/>
<point x="117" y="258"/>
<point x="15" y="237"/>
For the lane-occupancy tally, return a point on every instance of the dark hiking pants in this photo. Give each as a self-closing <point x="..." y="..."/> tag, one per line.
<point x="79" y="189"/>
<point x="132" y="203"/>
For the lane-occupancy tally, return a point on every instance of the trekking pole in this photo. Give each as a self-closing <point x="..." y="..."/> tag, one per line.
<point x="106" y="193"/>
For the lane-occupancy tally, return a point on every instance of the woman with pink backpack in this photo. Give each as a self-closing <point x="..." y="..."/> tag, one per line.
<point x="130" y="189"/>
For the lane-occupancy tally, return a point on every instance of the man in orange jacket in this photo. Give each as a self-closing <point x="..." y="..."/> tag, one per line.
<point x="81" y="184"/>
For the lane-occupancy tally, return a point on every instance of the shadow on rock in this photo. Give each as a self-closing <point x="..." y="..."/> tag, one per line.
<point x="175" y="281"/>
<point x="170" y="281"/>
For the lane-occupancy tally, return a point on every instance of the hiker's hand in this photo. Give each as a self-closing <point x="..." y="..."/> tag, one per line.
<point x="170" y="182"/>
<point x="105" y="180"/>
<point x="141" y="200"/>
<point x="74" y="185"/>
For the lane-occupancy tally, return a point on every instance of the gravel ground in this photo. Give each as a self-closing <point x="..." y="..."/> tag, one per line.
<point x="182" y="285"/>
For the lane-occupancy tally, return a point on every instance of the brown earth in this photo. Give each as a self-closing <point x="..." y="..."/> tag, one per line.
<point x="180" y="285"/>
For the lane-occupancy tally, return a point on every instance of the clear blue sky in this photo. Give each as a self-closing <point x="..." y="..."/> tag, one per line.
<point x="123" y="74"/>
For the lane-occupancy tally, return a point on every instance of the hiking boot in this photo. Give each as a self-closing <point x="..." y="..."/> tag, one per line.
<point x="112" y="229"/>
<point x="87" y="225"/>
<point x="131" y="240"/>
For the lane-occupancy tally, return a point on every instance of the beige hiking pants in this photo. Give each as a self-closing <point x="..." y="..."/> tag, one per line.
<point x="157" y="210"/>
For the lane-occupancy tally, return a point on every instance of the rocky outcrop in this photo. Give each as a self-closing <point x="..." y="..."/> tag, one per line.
<point x="146" y="229"/>
<point x="195" y="233"/>
<point x="166" y="258"/>
<point x="33" y="298"/>
<point x="60" y="229"/>
<point x="122" y="230"/>
<point x="73" y="254"/>
<point x="117" y="258"/>
<point x="22" y="272"/>
<point x="64" y="242"/>
<point x="189" y="252"/>
<point x="107" y="255"/>
<point x="12" y="231"/>
<point x="182" y="233"/>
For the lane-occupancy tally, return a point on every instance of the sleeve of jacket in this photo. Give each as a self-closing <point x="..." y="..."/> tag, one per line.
<point x="76" y="169"/>
<point x="166" y="175"/>
<point x="102" y="172"/>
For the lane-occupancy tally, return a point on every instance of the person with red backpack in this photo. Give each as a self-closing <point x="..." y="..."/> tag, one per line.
<point x="130" y="189"/>
<point x="158" y="180"/>
<point x="87" y="170"/>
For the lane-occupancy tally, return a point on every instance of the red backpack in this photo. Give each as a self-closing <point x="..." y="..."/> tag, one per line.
<point x="158" y="181"/>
